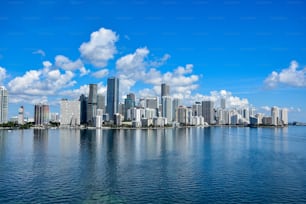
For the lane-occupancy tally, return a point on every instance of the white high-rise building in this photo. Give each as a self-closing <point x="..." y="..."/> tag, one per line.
<point x="21" y="115"/>
<point x="70" y="113"/>
<point x="275" y="115"/>
<point x="3" y="104"/>
<point x="167" y="107"/>
<point x="284" y="116"/>
<point x="176" y="102"/>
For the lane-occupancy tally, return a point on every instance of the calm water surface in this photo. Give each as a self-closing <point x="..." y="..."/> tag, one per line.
<point x="186" y="165"/>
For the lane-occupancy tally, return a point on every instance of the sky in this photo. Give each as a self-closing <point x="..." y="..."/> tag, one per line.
<point x="253" y="52"/>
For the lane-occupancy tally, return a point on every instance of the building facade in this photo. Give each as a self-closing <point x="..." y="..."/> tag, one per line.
<point x="70" y="113"/>
<point x="92" y="104"/>
<point x="41" y="114"/>
<point x="112" y="97"/>
<point x="208" y="111"/>
<point x="3" y="105"/>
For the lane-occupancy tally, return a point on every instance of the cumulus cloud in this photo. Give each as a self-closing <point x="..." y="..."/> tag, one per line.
<point x="100" y="74"/>
<point x="41" y="82"/>
<point x="134" y="61"/>
<point x="289" y="76"/>
<point x="65" y="63"/>
<point x="2" y="74"/>
<point x="131" y="68"/>
<point x="181" y="80"/>
<point x="100" y="48"/>
<point x="39" y="52"/>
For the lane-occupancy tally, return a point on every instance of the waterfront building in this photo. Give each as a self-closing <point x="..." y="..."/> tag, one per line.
<point x="167" y="108"/>
<point x="101" y="102"/>
<point x="267" y="120"/>
<point x="41" y="114"/>
<point x="20" y="116"/>
<point x="275" y="115"/>
<point x="208" y="111"/>
<point x="152" y="102"/>
<point x="181" y="115"/>
<point x="112" y="97"/>
<point x="254" y="120"/>
<point x="150" y="113"/>
<point x="259" y="117"/>
<point x="176" y="102"/>
<point x="165" y="91"/>
<point x="92" y="105"/>
<point x="70" y="113"/>
<point x="118" y="118"/>
<point x="99" y="121"/>
<point x="284" y="116"/>
<point x="3" y="105"/>
<point x="246" y="114"/>
<point x="83" y="109"/>
<point x="197" y="109"/>
<point x="129" y="102"/>
<point x="54" y="117"/>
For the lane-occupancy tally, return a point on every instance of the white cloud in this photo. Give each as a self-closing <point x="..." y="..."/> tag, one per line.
<point x="216" y="96"/>
<point x="2" y="74"/>
<point x="133" y="62"/>
<point x="66" y="64"/>
<point x="100" y="74"/>
<point x="100" y="48"/>
<point x="41" y="82"/>
<point x="39" y="52"/>
<point x="181" y="81"/>
<point x="289" y="76"/>
<point x="265" y="108"/>
<point x="47" y="64"/>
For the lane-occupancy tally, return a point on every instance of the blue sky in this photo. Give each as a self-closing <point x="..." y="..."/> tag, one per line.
<point x="252" y="52"/>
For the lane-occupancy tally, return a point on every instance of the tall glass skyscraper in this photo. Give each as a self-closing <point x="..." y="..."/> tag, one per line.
<point x="3" y="105"/>
<point x="92" y="104"/>
<point x="83" y="109"/>
<point x="112" y="96"/>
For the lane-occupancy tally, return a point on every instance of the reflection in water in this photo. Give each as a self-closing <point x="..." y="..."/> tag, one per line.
<point x="188" y="165"/>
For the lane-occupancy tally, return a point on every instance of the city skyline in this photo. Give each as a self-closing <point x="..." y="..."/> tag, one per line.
<point x="249" y="53"/>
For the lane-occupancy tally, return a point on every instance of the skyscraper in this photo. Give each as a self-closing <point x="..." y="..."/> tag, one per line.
<point x="167" y="107"/>
<point x="165" y="90"/>
<point x="275" y="115"/>
<point x="83" y="109"/>
<point x="197" y="109"/>
<point x="208" y="111"/>
<point x="3" y="105"/>
<point x="284" y="116"/>
<point x="112" y="96"/>
<point x="92" y="104"/>
<point x="101" y="102"/>
<point x="21" y="115"/>
<point x="176" y="102"/>
<point x="41" y="114"/>
<point x="70" y="113"/>
<point x="129" y="102"/>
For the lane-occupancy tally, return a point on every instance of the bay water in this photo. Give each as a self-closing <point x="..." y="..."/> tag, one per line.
<point x="171" y="165"/>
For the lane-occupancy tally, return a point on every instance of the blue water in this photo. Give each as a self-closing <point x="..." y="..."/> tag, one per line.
<point x="186" y="165"/>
